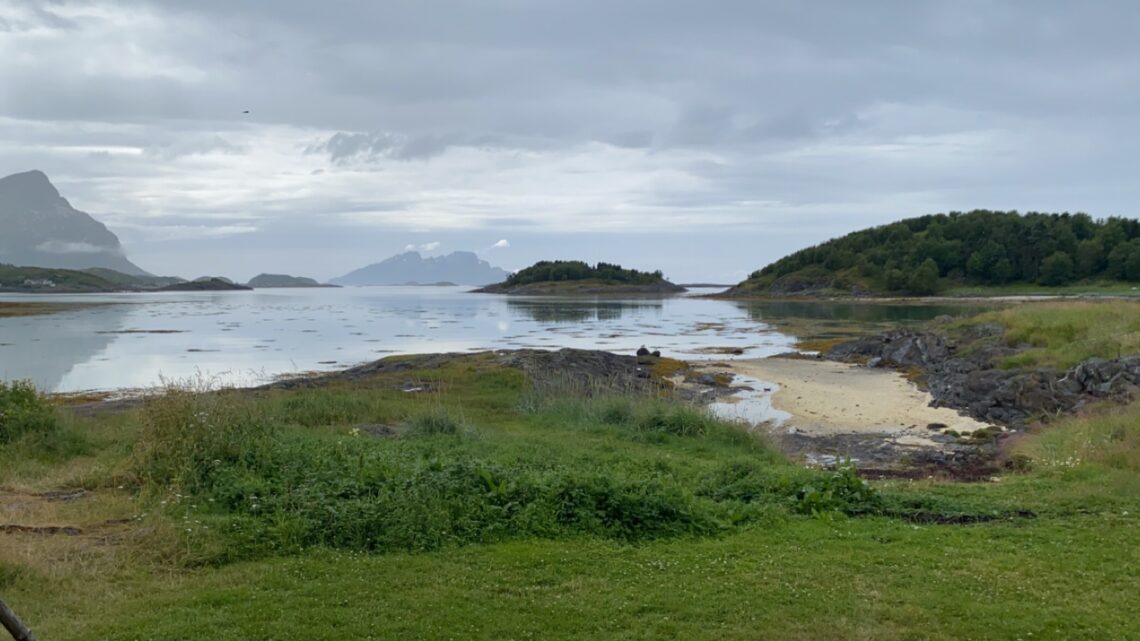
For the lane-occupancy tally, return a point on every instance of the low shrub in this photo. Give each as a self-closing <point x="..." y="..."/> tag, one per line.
<point x="23" y="410"/>
<point x="840" y="491"/>
<point x="188" y="434"/>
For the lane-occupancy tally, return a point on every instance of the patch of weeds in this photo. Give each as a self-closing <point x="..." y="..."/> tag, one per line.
<point x="840" y="491"/>
<point x="10" y="573"/>
<point x="821" y="345"/>
<point x="1018" y="463"/>
<point x="678" y="420"/>
<point x="189" y="434"/>
<point x="434" y="421"/>
<point x="614" y="411"/>
<point x="987" y="434"/>
<point x="664" y="367"/>
<point x="23" y="410"/>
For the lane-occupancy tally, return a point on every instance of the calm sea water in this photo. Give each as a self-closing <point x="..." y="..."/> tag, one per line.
<point x="247" y="338"/>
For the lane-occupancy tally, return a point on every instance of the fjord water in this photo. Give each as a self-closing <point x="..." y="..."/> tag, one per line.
<point x="247" y="338"/>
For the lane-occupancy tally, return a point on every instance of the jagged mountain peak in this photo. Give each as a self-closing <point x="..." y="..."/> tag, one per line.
<point x="39" y="228"/>
<point x="460" y="267"/>
<point x="29" y="188"/>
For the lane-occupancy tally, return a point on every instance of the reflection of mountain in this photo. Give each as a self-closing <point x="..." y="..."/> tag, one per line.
<point x="573" y="311"/>
<point x="45" y="348"/>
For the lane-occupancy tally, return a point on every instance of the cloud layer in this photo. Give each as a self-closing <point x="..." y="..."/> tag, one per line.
<point x="562" y="120"/>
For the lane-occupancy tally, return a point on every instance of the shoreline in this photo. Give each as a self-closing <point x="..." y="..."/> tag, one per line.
<point x="825" y="412"/>
<point x="827" y="397"/>
<point x="924" y="300"/>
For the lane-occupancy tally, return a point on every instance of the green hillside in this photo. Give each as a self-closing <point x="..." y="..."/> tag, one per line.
<point x="57" y="280"/>
<point x="990" y="249"/>
<point x="127" y="280"/>
<point x="43" y="279"/>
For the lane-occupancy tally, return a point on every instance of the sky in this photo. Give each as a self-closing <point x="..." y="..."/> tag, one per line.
<point x="705" y="139"/>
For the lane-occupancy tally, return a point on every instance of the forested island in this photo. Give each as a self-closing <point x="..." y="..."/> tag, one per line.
<point x="578" y="277"/>
<point x="931" y="254"/>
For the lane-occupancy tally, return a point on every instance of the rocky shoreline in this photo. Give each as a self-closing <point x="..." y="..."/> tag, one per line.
<point x="968" y="377"/>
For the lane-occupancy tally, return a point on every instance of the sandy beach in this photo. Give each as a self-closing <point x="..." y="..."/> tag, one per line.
<point x="825" y="397"/>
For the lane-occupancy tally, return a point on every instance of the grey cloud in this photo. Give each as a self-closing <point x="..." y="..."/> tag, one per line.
<point x="347" y="147"/>
<point x="502" y="115"/>
<point x="343" y="147"/>
<point x="60" y="247"/>
<point x="576" y="71"/>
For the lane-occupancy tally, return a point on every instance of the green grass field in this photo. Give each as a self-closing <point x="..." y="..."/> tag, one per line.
<point x="480" y="509"/>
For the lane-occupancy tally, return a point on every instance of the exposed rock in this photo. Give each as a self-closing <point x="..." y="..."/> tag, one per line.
<point x="576" y="371"/>
<point x="973" y="383"/>
<point x="579" y="370"/>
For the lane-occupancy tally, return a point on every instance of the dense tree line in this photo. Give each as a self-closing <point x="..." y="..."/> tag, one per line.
<point x="979" y="247"/>
<point x="563" y="270"/>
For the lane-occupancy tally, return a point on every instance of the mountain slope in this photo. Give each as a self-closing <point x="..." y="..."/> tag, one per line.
<point x="39" y="228"/>
<point x="924" y="255"/>
<point x="461" y="268"/>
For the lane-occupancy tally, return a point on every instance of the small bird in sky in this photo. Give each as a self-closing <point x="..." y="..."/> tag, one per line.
<point x="246" y="111"/>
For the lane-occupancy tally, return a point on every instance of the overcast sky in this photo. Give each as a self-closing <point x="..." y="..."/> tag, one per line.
<point x="702" y="138"/>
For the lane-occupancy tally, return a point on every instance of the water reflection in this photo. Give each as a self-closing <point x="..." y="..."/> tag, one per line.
<point x="45" y="349"/>
<point x="248" y="337"/>
<point x="855" y="312"/>
<point x="577" y="311"/>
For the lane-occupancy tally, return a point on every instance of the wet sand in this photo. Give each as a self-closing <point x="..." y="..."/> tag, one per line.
<point x="825" y="398"/>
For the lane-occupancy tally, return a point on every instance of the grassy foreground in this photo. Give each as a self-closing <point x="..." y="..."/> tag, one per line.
<point x="480" y="509"/>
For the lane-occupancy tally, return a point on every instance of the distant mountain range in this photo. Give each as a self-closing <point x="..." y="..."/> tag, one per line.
<point x="39" y="228"/>
<point x="409" y="268"/>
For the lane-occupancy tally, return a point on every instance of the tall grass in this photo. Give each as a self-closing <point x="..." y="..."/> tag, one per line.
<point x="1108" y="438"/>
<point x="23" y="410"/>
<point x="1063" y="334"/>
<point x="435" y="420"/>
<point x="189" y="433"/>
<point x="249" y="480"/>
